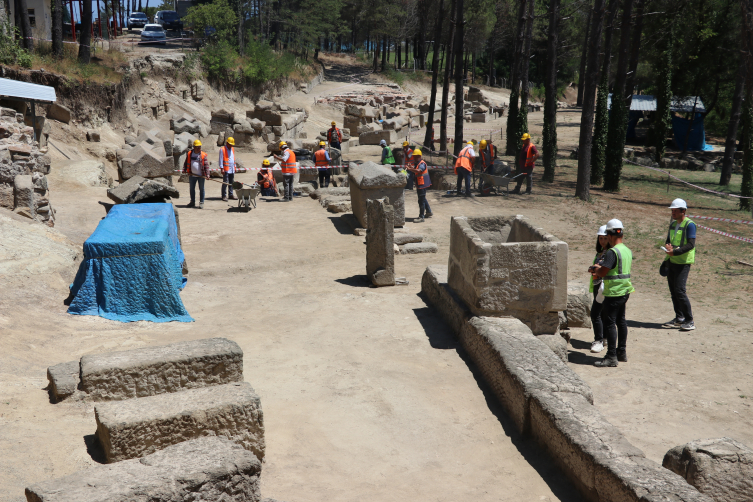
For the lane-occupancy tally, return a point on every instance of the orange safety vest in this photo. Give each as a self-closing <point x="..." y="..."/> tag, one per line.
<point x="266" y="178"/>
<point x="465" y="160"/>
<point x="339" y="135"/>
<point x="529" y="157"/>
<point x="422" y="178"/>
<point x="407" y="157"/>
<point x="226" y="158"/>
<point x="487" y="156"/>
<point x="187" y="165"/>
<point x="320" y="158"/>
<point x="289" y="166"/>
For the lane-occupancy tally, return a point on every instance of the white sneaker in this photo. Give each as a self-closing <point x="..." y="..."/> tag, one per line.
<point x="597" y="346"/>
<point x="688" y="326"/>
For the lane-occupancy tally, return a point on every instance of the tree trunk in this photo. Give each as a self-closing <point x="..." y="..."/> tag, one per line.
<point x="582" y="186"/>
<point x="84" y="51"/>
<point x="619" y="113"/>
<point x="473" y="68"/>
<point x="730" y="145"/>
<point x="400" y="55"/>
<point x="446" y="79"/>
<point x="459" y="77"/>
<point x="525" y="91"/>
<point x="490" y="71"/>
<point x="634" y="51"/>
<point x="512" y="115"/>
<point x="422" y="27"/>
<point x="384" y="52"/>
<point x="26" y="33"/>
<point x="57" y="28"/>
<point x="376" y="56"/>
<point x="434" y="76"/>
<point x="550" y="103"/>
<point x="583" y="55"/>
<point x="241" y="19"/>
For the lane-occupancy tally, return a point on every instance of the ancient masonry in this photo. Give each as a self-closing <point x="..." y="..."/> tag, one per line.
<point x="373" y="181"/>
<point x="380" y="252"/>
<point x="182" y="409"/>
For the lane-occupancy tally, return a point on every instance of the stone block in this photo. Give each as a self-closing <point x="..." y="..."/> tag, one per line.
<point x="92" y="135"/>
<point x="579" y="302"/>
<point x="23" y="192"/>
<point x="418" y="247"/>
<point x="150" y="371"/>
<point x="197" y="90"/>
<point x="557" y="344"/>
<point x="339" y="206"/>
<point x="720" y="468"/>
<point x="330" y="191"/>
<point x="374" y="137"/>
<point x="223" y="116"/>
<point x="198" y="470"/>
<point x="257" y="125"/>
<point x="138" y="427"/>
<point x="138" y="189"/>
<point x="479" y="117"/>
<point x="64" y="379"/>
<point x="86" y="172"/>
<point x="145" y="162"/>
<point x="380" y="251"/>
<point x="405" y="238"/>
<point x="373" y="181"/>
<point x="59" y="112"/>
<point x="186" y="124"/>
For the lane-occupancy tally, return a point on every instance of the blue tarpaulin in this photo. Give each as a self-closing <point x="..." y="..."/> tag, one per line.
<point x="132" y="267"/>
<point x="697" y="138"/>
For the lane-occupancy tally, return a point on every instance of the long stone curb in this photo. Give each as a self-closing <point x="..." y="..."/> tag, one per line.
<point x="549" y="402"/>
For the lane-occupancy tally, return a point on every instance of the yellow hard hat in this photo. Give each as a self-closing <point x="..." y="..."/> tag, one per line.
<point x="265" y="163"/>
<point x="417" y="153"/>
<point x="470" y="142"/>
<point x="333" y="123"/>
<point x="405" y="143"/>
<point x="282" y="143"/>
<point x="230" y="141"/>
<point x="322" y="143"/>
<point x="483" y="142"/>
<point x="525" y="137"/>
<point x="196" y="142"/>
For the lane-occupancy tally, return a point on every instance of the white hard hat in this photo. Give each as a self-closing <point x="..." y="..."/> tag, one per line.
<point x="383" y="143"/>
<point x="614" y="224"/>
<point x="602" y="230"/>
<point x="678" y="204"/>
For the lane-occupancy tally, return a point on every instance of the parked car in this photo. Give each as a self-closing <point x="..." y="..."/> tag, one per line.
<point x="169" y="20"/>
<point x="153" y="34"/>
<point x="137" y="20"/>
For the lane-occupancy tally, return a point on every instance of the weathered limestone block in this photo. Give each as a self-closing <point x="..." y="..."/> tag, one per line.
<point x="59" y="112"/>
<point x="380" y="251"/>
<point x="185" y="124"/>
<point x="156" y="370"/>
<point x="197" y="90"/>
<point x="64" y="379"/>
<point x="23" y="191"/>
<point x="405" y="238"/>
<point x="579" y="302"/>
<point x="138" y="427"/>
<point x="198" y="470"/>
<point x="138" y="189"/>
<point x="720" y="468"/>
<point x="419" y="247"/>
<point x="557" y="344"/>
<point x="330" y="191"/>
<point x="145" y="162"/>
<point x="373" y="181"/>
<point x="374" y="137"/>
<point x="92" y="135"/>
<point x="479" y="117"/>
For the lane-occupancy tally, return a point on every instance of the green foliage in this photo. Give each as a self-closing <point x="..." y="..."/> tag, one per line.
<point x="746" y="187"/>
<point x="599" y="145"/>
<point x="615" y="145"/>
<point x="262" y="64"/>
<point x="521" y="127"/>
<point x="218" y="15"/>
<point x="219" y="59"/>
<point x="512" y="122"/>
<point x="10" y="51"/>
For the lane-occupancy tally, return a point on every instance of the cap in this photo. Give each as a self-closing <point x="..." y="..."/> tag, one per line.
<point x="383" y="143"/>
<point x="230" y="141"/>
<point x="322" y="143"/>
<point x="602" y="230"/>
<point x="614" y="227"/>
<point x="405" y="143"/>
<point x="417" y="153"/>
<point x="196" y="142"/>
<point x="678" y="204"/>
<point x="265" y="163"/>
<point x="525" y="137"/>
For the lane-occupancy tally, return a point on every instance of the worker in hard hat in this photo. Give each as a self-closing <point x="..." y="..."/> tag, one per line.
<point x="197" y="167"/>
<point x="334" y="136"/>
<point x="227" y="164"/>
<point x="614" y="270"/>
<point x="525" y="163"/>
<point x="322" y="162"/>
<point x="487" y="152"/>
<point x="266" y="180"/>
<point x="596" y="286"/>
<point x="408" y="161"/>
<point x="423" y="182"/>
<point x="464" y="167"/>
<point x="289" y="170"/>
<point x="680" y="246"/>
<point x="388" y="158"/>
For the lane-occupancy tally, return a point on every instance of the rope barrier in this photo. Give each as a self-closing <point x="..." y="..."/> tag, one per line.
<point x="731" y="236"/>
<point x="711" y="218"/>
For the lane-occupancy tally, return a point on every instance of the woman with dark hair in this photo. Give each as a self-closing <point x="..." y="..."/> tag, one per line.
<point x="596" y="287"/>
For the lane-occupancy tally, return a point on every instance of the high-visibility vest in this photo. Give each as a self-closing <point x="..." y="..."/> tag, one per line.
<point x="187" y="165"/>
<point x="226" y="158"/>
<point x="617" y="281"/>
<point x="591" y="282"/>
<point x="320" y="158"/>
<point x="422" y="178"/>
<point x="266" y="180"/>
<point x="289" y="166"/>
<point x="679" y="237"/>
<point x="529" y="157"/>
<point x="407" y="157"/>
<point x="465" y="160"/>
<point x="389" y="159"/>
<point x="336" y="131"/>
<point x="487" y="155"/>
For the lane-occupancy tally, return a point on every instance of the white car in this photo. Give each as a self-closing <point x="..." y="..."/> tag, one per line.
<point x="153" y="34"/>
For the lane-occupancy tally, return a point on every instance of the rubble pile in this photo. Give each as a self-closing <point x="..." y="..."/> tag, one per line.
<point x="271" y="121"/>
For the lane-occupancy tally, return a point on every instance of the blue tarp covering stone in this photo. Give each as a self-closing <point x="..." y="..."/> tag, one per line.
<point x="697" y="138"/>
<point x="132" y="267"/>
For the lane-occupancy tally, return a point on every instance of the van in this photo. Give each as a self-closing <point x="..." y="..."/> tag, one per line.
<point x="169" y="20"/>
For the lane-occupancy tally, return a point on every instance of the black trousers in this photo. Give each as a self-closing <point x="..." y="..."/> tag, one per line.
<point x="615" y="324"/>
<point x="464" y="175"/>
<point x="677" y="279"/>
<point x="596" y="321"/>
<point x="528" y="175"/>
<point x="324" y="176"/>
<point x="287" y="182"/>
<point x="227" y="178"/>
<point x="423" y="204"/>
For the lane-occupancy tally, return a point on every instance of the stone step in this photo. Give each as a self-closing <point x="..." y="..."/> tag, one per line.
<point x="158" y="370"/>
<point x="138" y="427"/>
<point x="405" y="238"/>
<point x="201" y="469"/>
<point x="64" y="379"/>
<point x="418" y="247"/>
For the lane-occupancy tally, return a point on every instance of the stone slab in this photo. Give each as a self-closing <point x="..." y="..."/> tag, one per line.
<point x="373" y="181"/>
<point x="418" y="248"/>
<point x="374" y="137"/>
<point x="138" y="189"/>
<point x="380" y="251"/>
<point x="138" y="427"/>
<point x="156" y="370"/>
<point x="199" y="470"/>
<point x="406" y="238"/>
<point x="64" y="379"/>
<point x="579" y="302"/>
<point x="143" y="161"/>
<point x="59" y="112"/>
<point x="557" y="344"/>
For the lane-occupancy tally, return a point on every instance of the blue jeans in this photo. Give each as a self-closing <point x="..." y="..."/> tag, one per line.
<point x="423" y="204"/>
<point x="411" y="180"/>
<point x="335" y="144"/>
<point x="192" y="188"/>
<point x="227" y="178"/>
<point x="464" y="175"/>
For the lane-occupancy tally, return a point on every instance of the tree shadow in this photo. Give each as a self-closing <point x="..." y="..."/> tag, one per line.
<point x="94" y="448"/>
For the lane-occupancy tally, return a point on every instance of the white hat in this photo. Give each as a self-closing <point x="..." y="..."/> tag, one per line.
<point x="614" y="224"/>
<point x="383" y="143"/>
<point x="678" y="204"/>
<point x="602" y="230"/>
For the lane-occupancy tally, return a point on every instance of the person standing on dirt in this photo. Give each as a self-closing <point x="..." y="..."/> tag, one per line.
<point x="197" y="167"/>
<point x="289" y="170"/>
<point x="615" y="272"/>
<point x="680" y="246"/>
<point x="388" y="159"/>
<point x="526" y="161"/>
<point x="464" y="167"/>
<point x="487" y="152"/>
<point x="423" y="182"/>
<point x="596" y="287"/>
<point x="334" y="136"/>
<point x="322" y="161"/>
<point x="227" y="163"/>
<point x="266" y="181"/>
<point x="408" y="162"/>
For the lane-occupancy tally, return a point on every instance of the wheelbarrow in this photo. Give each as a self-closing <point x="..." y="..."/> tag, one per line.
<point x="490" y="182"/>
<point x="246" y="196"/>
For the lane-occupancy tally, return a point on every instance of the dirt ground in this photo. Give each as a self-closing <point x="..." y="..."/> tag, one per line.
<point x="366" y="394"/>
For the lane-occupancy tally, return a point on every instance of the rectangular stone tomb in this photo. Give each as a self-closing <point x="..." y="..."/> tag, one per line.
<point x="157" y="370"/>
<point x="373" y="181"/>
<point x="504" y="266"/>
<point x="202" y="469"/>
<point x="138" y="427"/>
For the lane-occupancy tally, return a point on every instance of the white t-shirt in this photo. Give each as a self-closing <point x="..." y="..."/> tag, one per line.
<point x="196" y="164"/>
<point x="285" y="154"/>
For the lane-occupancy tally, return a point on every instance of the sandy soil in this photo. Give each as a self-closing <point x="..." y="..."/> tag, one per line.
<point x="366" y="393"/>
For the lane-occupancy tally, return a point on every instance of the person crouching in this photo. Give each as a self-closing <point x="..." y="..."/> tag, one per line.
<point x="266" y="180"/>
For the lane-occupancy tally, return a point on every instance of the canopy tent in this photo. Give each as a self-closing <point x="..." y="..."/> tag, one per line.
<point x="132" y="267"/>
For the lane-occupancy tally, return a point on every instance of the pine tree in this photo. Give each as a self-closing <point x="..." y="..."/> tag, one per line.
<point x="746" y="187"/>
<point x="663" y="120"/>
<point x="550" y="105"/>
<point x="599" y="145"/>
